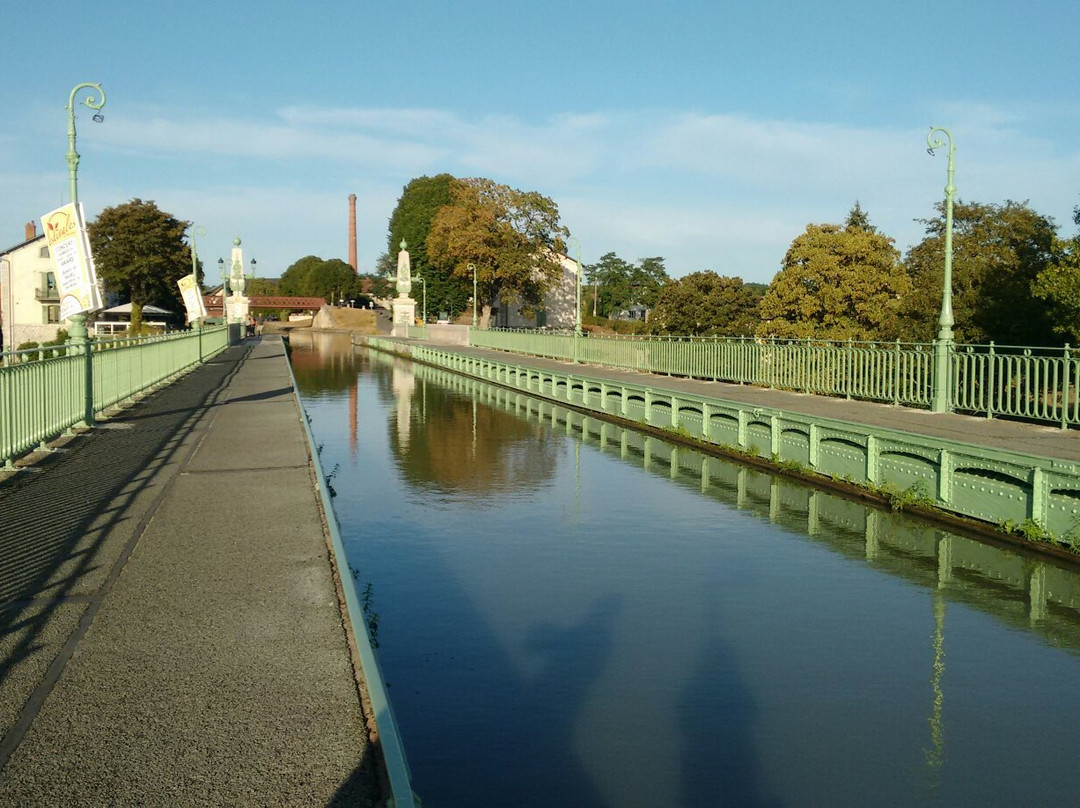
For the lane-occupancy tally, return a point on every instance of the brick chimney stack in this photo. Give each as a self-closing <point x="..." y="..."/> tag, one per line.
<point x="31" y="231"/>
<point x="352" y="232"/>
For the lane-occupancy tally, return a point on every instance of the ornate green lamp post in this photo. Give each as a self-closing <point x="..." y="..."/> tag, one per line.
<point x="197" y="230"/>
<point x="475" y="302"/>
<point x="424" y="309"/>
<point x="942" y="397"/>
<point x="78" y="334"/>
<point x="577" y="287"/>
<point x="224" y="289"/>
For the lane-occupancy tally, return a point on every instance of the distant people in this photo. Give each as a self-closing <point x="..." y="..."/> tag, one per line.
<point x="250" y="323"/>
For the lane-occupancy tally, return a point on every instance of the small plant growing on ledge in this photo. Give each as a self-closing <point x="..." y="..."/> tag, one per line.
<point x="914" y="496"/>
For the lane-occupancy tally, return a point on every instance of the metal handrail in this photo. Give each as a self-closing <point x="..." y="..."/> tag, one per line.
<point x="1034" y="384"/>
<point x="43" y="390"/>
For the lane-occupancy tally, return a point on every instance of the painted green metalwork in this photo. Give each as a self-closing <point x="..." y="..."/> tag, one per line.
<point x="943" y="344"/>
<point x="475" y="301"/>
<point x="897" y="373"/>
<point x="43" y="392"/>
<point x="1035" y="384"/>
<point x="423" y="316"/>
<point x="991" y="485"/>
<point x="78" y="333"/>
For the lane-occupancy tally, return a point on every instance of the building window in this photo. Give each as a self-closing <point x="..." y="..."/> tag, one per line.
<point x="50" y="282"/>
<point x="44" y="252"/>
<point x="52" y="314"/>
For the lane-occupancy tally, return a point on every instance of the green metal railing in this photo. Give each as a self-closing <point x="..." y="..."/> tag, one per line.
<point x="1033" y="384"/>
<point x="897" y="373"/>
<point x="43" y="391"/>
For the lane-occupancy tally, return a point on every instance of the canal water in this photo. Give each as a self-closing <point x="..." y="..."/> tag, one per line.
<point x="572" y="614"/>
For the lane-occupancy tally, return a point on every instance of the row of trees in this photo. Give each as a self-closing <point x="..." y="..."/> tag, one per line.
<point x="1015" y="282"/>
<point x="140" y="253"/>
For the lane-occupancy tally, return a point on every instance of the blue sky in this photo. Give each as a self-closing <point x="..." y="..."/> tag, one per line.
<point x="709" y="133"/>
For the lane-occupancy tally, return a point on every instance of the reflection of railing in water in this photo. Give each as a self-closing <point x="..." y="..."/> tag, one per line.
<point x="1025" y="591"/>
<point x="997" y="486"/>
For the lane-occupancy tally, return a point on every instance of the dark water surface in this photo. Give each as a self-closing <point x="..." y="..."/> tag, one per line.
<point x="573" y="614"/>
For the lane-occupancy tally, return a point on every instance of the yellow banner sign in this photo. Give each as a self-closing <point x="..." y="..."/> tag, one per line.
<point x="69" y="249"/>
<point x="193" y="299"/>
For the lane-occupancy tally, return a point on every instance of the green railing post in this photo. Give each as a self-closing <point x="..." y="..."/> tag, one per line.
<point x="79" y="340"/>
<point x="896" y="374"/>
<point x="807" y="365"/>
<point x="1065" y="388"/>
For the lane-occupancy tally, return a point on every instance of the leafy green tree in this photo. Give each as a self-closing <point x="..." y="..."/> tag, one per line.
<point x="294" y="280"/>
<point x="140" y="253"/>
<point x="618" y="285"/>
<point x="311" y="276"/>
<point x="837" y="282"/>
<point x="998" y="251"/>
<point x="1058" y="286"/>
<point x="705" y="303"/>
<point x="512" y="238"/>
<point x="263" y="287"/>
<point x="411" y="221"/>
<point x="606" y="277"/>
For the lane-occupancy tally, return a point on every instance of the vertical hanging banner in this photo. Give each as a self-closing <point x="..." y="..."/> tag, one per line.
<point x="69" y="248"/>
<point x="193" y="299"/>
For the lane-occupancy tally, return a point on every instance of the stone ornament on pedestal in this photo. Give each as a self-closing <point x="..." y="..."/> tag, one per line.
<point x="237" y="304"/>
<point x="404" y="306"/>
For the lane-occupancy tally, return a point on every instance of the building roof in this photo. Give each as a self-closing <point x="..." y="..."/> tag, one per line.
<point x="23" y="244"/>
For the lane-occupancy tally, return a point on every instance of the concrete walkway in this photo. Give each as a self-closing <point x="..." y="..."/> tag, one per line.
<point x="1036" y="439"/>
<point x="170" y="632"/>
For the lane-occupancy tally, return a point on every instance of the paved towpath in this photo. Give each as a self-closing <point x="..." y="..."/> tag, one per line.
<point x="1036" y="439"/>
<point x="169" y="623"/>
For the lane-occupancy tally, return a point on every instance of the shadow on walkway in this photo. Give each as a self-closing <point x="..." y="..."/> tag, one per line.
<point x="68" y="525"/>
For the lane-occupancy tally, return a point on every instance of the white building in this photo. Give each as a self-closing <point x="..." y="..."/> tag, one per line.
<point x="557" y="309"/>
<point x="29" y="296"/>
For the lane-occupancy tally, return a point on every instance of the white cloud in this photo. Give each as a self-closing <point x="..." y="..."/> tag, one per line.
<point x="725" y="192"/>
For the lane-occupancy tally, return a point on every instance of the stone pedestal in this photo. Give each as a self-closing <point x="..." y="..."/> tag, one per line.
<point x="236" y="308"/>
<point x="404" y="309"/>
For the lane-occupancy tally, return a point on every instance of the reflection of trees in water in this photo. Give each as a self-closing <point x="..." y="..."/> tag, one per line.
<point x="456" y="445"/>
<point x="322" y="363"/>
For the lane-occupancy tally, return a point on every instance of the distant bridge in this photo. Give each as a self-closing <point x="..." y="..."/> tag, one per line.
<point x="267" y="303"/>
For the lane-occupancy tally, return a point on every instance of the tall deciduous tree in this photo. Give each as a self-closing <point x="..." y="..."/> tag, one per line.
<point x="140" y="253"/>
<point x="705" y="303"/>
<point x="410" y="222"/>
<point x="838" y="282"/>
<point x="312" y="276"/>
<point x="512" y="238"/>
<point x="617" y="285"/>
<point x="998" y="251"/>
<point x="1058" y="287"/>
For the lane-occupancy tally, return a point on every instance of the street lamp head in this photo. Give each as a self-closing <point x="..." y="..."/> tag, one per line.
<point x="98" y="118"/>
